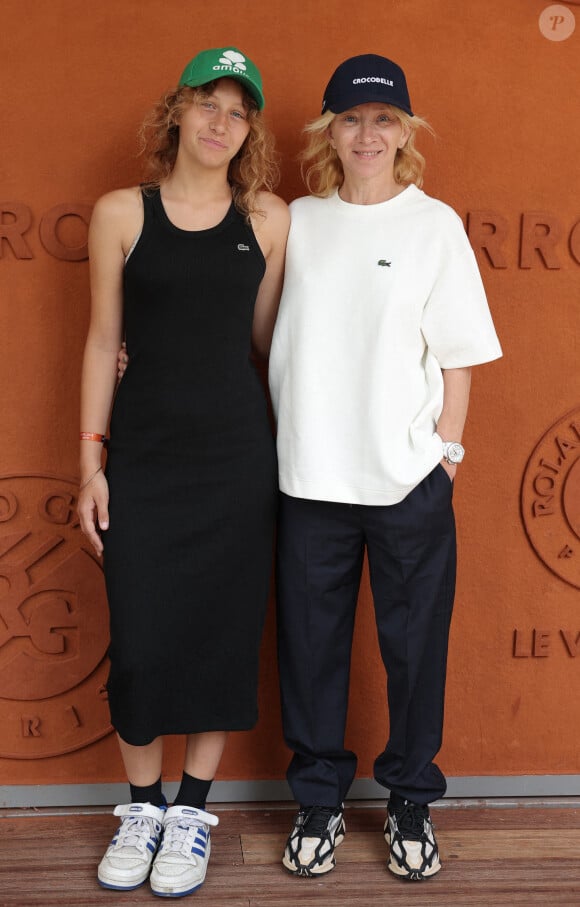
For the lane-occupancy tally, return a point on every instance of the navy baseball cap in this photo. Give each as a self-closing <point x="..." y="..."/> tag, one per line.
<point x="363" y="79"/>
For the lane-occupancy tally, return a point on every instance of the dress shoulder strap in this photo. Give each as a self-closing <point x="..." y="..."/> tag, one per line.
<point x="148" y="197"/>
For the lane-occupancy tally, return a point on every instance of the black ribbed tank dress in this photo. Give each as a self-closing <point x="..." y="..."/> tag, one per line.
<point x="192" y="478"/>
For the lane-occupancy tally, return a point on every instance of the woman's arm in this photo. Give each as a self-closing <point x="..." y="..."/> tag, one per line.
<point x="110" y="226"/>
<point x="272" y="234"/>
<point x="456" y="387"/>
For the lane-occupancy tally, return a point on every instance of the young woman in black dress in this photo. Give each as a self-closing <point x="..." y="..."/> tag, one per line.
<point x="189" y="268"/>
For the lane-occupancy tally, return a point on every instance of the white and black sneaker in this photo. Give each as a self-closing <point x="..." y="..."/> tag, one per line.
<point x="409" y="833"/>
<point x="181" y="862"/>
<point x="128" y="859"/>
<point x="310" y="847"/>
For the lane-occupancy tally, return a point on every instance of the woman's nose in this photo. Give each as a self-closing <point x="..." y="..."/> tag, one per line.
<point x="218" y="121"/>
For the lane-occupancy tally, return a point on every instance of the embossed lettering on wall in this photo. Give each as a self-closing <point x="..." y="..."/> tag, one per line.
<point x="550" y="498"/>
<point x="53" y="623"/>
<point x="62" y="230"/>
<point x="543" y="239"/>
<point x="542" y="643"/>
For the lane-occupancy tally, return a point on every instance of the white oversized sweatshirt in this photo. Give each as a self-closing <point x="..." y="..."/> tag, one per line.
<point x="377" y="300"/>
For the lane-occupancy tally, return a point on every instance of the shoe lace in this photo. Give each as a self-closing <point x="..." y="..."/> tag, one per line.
<point x="178" y="836"/>
<point x="316" y="820"/>
<point x="410" y="820"/>
<point x="135" y="831"/>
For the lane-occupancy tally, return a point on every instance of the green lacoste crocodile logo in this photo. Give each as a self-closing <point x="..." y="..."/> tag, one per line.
<point x="384" y="263"/>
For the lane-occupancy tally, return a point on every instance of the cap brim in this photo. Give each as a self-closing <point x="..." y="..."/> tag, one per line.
<point x="243" y="80"/>
<point x="366" y="97"/>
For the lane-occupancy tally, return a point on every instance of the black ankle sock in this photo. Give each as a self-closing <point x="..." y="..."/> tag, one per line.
<point x="150" y="794"/>
<point x="192" y="792"/>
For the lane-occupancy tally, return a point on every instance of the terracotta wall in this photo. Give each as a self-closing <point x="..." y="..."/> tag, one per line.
<point x="499" y="84"/>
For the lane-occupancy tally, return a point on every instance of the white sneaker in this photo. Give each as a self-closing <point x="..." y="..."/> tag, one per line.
<point x="181" y="862"/>
<point x="128" y="859"/>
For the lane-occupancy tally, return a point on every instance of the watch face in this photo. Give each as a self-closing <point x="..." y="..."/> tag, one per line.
<point x="455" y="452"/>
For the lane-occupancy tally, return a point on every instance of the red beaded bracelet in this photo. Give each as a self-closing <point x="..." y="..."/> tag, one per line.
<point x="92" y="436"/>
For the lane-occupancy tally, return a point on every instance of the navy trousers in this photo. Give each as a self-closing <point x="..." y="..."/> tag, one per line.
<point x="412" y="559"/>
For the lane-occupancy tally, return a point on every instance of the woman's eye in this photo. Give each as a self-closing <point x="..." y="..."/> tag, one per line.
<point x="238" y="115"/>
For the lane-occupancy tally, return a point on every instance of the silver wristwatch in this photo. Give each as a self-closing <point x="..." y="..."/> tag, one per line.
<point x="453" y="452"/>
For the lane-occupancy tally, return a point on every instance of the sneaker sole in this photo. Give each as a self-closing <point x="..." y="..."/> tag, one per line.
<point x="174" y="893"/>
<point x="302" y="872"/>
<point x="112" y="886"/>
<point x="415" y="875"/>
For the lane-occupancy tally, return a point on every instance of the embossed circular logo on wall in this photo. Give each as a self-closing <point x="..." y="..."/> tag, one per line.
<point x="53" y="623"/>
<point x="550" y="498"/>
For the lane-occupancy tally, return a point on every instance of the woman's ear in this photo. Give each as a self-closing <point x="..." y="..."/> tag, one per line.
<point x="331" y="141"/>
<point x="405" y="133"/>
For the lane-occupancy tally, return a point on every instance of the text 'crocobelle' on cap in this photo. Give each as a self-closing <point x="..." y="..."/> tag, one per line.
<point x="364" y="79"/>
<point x="224" y="63"/>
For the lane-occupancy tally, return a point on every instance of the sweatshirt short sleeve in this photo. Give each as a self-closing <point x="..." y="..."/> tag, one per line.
<point x="457" y="324"/>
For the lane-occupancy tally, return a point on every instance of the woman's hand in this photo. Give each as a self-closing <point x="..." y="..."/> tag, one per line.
<point x="122" y="361"/>
<point x="450" y="468"/>
<point x="93" y="509"/>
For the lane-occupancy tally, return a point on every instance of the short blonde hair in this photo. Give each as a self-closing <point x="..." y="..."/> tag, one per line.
<point x="322" y="170"/>
<point x="254" y="168"/>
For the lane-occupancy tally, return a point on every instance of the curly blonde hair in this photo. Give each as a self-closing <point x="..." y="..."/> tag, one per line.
<point x="254" y="168"/>
<point x="322" y="170"/>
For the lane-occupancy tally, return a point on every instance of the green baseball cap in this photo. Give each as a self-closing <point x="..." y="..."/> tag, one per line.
<point x="224" y="63"/>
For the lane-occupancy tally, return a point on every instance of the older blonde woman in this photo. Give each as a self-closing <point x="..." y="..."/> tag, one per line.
<point x="382" y="315"/>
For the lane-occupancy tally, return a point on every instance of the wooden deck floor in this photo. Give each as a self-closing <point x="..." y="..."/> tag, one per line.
<point x="520" y="854"/>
